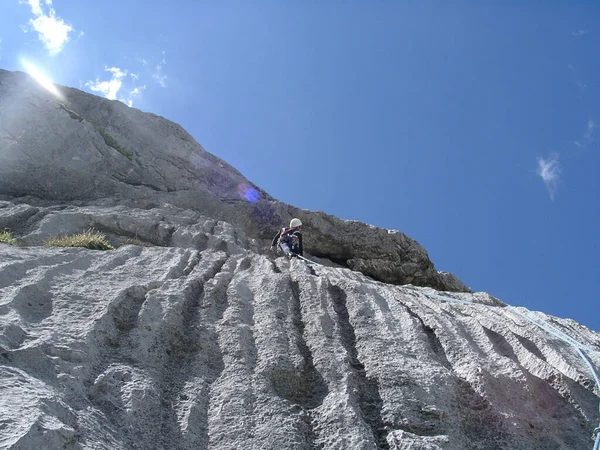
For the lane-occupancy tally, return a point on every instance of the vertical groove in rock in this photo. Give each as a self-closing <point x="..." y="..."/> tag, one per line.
<point x="183" y="353"/>
<point x="115" y="348"/>
<point x="315" y="389"/>
<point x="194" y="397"/>
<point x="501" y="345"/>
<point x="479" y="423"/>
<point x="231" y="421"/>
<point x="370" y="401"/>
<point x="530" y="346"/>
<point x="304" y="387"/>
<point x="432" y="338"/>
<point x="147" y="342"/>
<point x="111" y="334"/>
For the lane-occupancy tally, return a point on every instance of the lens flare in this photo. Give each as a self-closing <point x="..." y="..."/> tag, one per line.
<point x="40" y="77"/>
<point x="248" y="193"/>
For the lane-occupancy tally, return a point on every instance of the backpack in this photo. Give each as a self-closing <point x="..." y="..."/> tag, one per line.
<point x="291" y="239"/>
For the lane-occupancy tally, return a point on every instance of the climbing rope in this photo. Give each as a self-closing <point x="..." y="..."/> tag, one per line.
<point x="306" y="259"/>
<point x="455" y="300"/>
<point x="544" y="325"/>
<point x="596" y="433"/>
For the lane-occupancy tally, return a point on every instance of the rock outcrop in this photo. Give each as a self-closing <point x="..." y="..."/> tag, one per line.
<point x="89" y="150"/>
<point x="190" y="335"/>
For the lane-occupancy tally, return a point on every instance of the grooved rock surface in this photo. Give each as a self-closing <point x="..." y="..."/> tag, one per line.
<point x="191" y="335"/>
<point x="164" y="347"/>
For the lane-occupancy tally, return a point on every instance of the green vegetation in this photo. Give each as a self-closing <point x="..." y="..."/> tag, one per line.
<point x="72" y="114"/>
<point x="136" y="241"/>
<point x="92" y="239"/>
<point x="111" y="141"/>
<point x="6" y="237"/>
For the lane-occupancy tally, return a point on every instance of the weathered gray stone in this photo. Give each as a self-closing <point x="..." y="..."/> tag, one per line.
<point x="88" y="150"/>
<point x="163" y="347"/>
<point x="197" y="337"/>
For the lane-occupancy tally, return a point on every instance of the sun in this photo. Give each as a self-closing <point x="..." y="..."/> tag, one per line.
<point x="40" y="77"/>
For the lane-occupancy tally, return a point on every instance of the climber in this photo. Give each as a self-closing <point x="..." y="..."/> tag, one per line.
<point x="289" y="240"/>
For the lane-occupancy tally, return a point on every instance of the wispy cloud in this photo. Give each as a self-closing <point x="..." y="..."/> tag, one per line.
<point x="111" y="88"/>
<point x="579" y="33"/>
<point x="549" y="169"/>
<point x="581" y="85"/>
<point x="136" y="91"/>
<point x="588" y="136"/>
<point x="51" y="29"/>
<point x="158" y="75"/>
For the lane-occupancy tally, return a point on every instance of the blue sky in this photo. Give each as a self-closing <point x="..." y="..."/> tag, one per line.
<point x="472" y="128"/>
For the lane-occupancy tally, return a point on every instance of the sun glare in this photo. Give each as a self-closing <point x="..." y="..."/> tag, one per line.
<point x="40" y="77"/>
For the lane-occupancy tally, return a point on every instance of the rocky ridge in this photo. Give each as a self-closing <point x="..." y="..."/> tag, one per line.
<point x="191" y="335"/>
<point x="85" y="150"/>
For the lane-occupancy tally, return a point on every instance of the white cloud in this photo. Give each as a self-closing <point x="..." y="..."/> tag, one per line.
<point x="590" y="130"/>
<point x="158" y="74"/>
<point x="35" y="6"/>
<point x="549" y="170"/>
<point x="136" y="91"/>
<point x="579" y="32"/>
<point x="53" y="33"/>
<point x="135" y="76"/>
<point x="51" y="29"/>
<point x="112" y="88"/>
<point x="160" y="79"/>
<point x="588" y="136"/>
<point x="109" y="88"/>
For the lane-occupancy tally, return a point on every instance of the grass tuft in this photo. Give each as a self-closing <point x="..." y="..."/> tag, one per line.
<point x="136" y="241"/>
<point x="6" y="237"/>
<point x="111" y="141"/>
<point x="92" y="239"/>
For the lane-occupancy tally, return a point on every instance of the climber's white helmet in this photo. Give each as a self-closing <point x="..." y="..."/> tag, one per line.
<point x="295" y="223"/>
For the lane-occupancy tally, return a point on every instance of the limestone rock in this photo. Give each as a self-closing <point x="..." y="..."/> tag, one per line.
<point x="85" y="150"/>
<point x="191" y="335"/>
<point x="166" y="347"/>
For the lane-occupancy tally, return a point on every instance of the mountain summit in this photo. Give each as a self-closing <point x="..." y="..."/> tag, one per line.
<point x="188" y="333"/>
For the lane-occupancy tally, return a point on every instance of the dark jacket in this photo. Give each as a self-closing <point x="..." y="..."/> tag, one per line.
<point x="293" y="240"/>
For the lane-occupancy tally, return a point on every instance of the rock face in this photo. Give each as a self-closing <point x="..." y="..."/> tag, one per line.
<point x="219" y="347"/>
<point x="95" y="151"/>
<point x="190" y="335"/>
